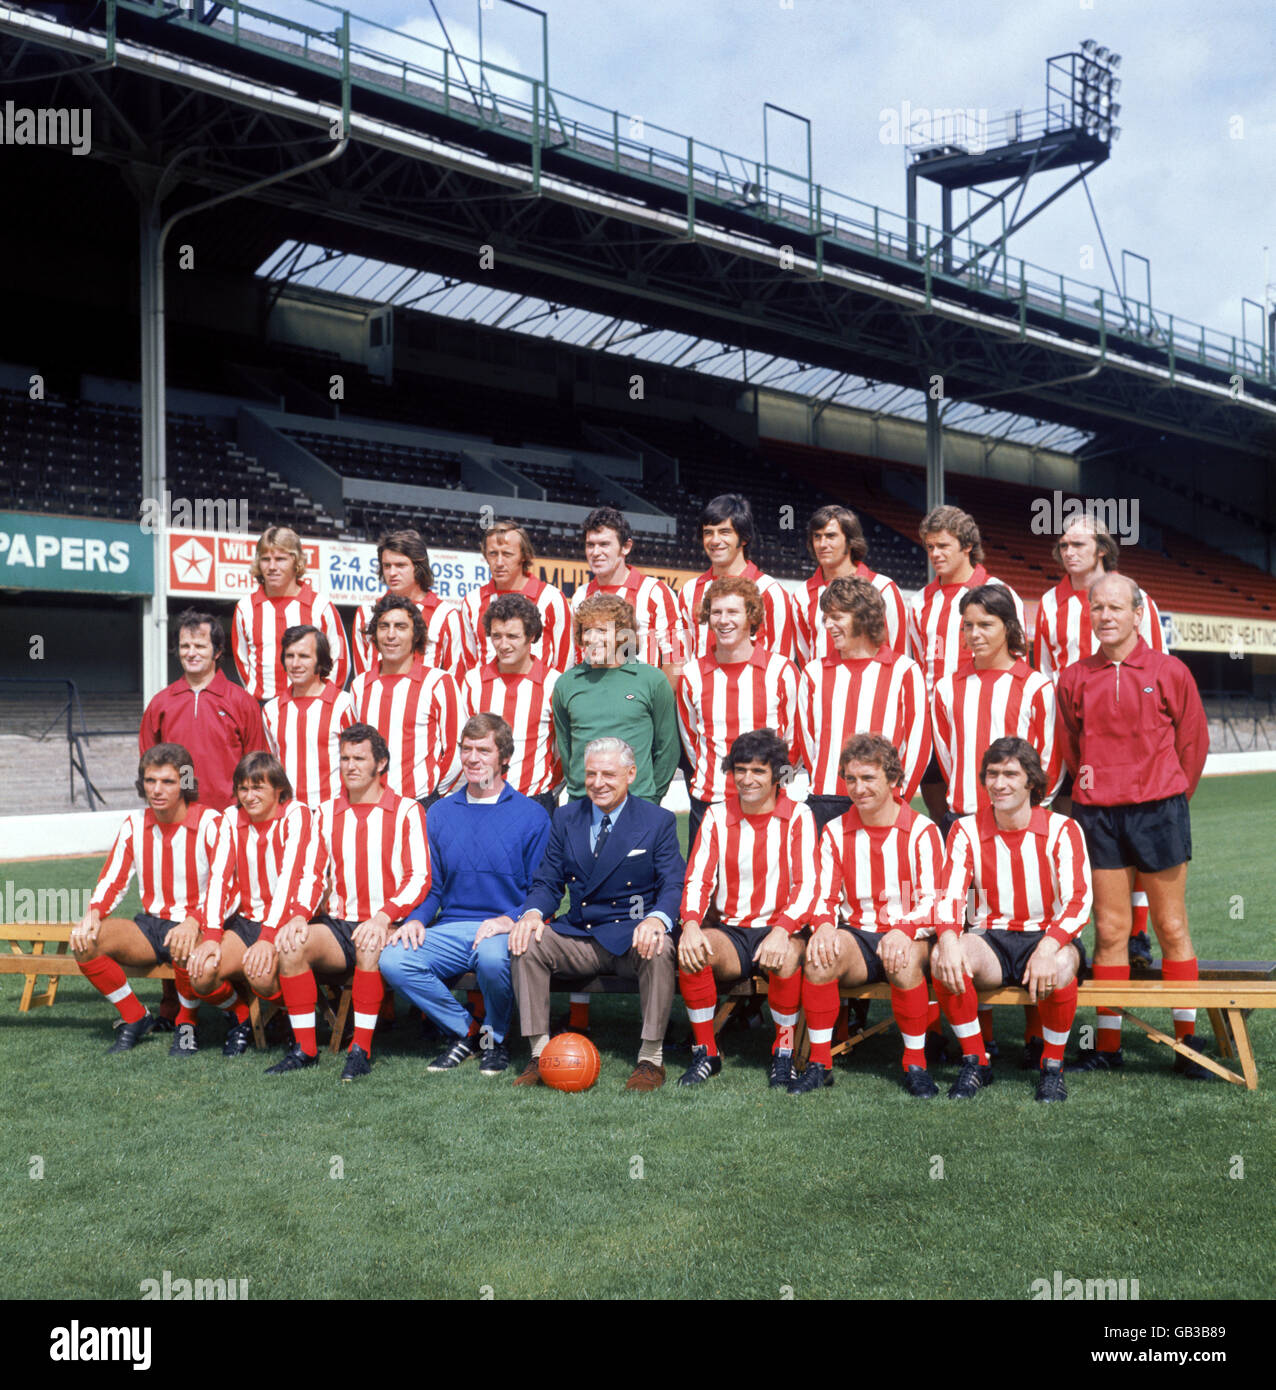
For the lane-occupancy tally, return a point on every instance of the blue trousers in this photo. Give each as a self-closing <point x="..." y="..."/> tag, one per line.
<point x="448" y="951"/>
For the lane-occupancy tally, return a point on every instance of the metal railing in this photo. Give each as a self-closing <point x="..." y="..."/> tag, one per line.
<point x="368" y="55"/>
<point x="76" y="732"/>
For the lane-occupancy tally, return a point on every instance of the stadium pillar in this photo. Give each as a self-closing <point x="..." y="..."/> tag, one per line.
<point x="934" y="461"/>
<point x="155" y="606"/>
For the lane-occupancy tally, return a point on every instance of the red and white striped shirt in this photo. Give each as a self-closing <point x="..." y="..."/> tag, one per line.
<point x="972" y="709"/>
<point x="444" y="646"/>
<point x="260" y="624"/>
<point x="660" y="637"/>
<point x="717" y="703"/>
<point x="808" y="620"/>
<point x="759" y="871"/>
<point x="880" y="694"/>
<point x="1064" y="635"/>
<point x="304" y="734"/>
<point x="934" y="625"/>
<point x="419" y="716"/>
<point x="553" y="646"/>
<point x="1035" y="880"/>
<point x="183" y="870"/>
<point x="877" y="877"/>
<point x="776" y="633"/>
<point x="379" y="856"/>
<point x="523" y="702"/>
<point x="280" y="867"/>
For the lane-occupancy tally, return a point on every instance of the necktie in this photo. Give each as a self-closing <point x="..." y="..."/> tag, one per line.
<point x="603" y="831"/>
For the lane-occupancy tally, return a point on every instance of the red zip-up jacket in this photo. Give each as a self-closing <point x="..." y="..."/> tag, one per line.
<point x="216" y="725"/>
<point x="1132" y="731"/>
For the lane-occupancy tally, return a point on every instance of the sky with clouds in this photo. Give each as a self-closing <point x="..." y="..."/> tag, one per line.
<point x="1191" y="183"/>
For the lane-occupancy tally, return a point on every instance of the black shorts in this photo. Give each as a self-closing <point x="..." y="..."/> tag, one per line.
<point x="1149" y="835"/>
<point x="1065" y="787"/>
<point x="245" y="928"/>
<point x="746" y="940"/>
<point x="827" y="808"/>
<point x="946" y="823"/>
<point x="870" y="943"/>
<point x="934" y="774"/>
<point x="155" y="929"/>
<point x="548" y="801"/>
<point x="1012" y="949"/>
<point x="344" y="932"/>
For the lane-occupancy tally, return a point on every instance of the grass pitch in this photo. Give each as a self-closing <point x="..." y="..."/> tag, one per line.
<point x="407" y="1185"/>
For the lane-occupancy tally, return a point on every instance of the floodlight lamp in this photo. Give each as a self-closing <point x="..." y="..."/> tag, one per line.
<point x="1090" y="71"/>
<point x="1116" y="130"/>
<point x="1114" y="61"/>
<point x="1114" y="110"/>
<point x="1114" y="86"/>
<point x="1088" y="45"/>
<point x="1101" y="53"/>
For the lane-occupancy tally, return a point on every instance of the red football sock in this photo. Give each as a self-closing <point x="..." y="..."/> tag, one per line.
<point x="784" y="998"/>
<point x="934" y="1017"/>
<point x="822" y="1007"/>
<point x="474" y="1002"/>
<point x="1107" y="1033"/>
<point x="1139" y="907"/>
<point x="1184" y="1019"/>
<point x="168" y="1002"/>
<point x="107" y="977"/>
<point x="276" y="998"/>
<point x="1031" y="1023"/>
<point x="1057" y="1012"/>
<point x="187" y="999"/>
<point x="366" y="993"/>
<point x="843" y="1027"/>
<point x="700" y="994"/>
<point x="578" y="1013"/>
<point x="222" y="997"/>
<point x="910" y="1007"/>
<point x="962" y="1012"/>
<point x="300" y="995"/>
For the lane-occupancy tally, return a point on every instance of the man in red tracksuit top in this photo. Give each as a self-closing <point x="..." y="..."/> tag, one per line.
<point x="1135" y="737"/>
<point x="219" y="722"/>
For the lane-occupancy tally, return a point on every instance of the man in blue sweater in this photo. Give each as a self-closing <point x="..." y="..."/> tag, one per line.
<point x="486" y="841"/>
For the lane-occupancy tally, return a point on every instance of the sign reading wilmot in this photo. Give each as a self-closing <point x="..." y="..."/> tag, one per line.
<point x="74" y="555"/>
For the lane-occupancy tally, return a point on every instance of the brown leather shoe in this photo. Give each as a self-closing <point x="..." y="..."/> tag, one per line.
<point x="646" y="1077"/>
<point x="530" y="1075"/>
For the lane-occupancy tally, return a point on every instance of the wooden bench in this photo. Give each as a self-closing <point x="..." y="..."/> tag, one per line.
<point x="38" y="963"/>
<point x="337" y="1012"/>
<point x="1227" y="990"/>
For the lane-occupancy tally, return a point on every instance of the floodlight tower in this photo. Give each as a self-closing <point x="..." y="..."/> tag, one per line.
<point x="1077" y="128"/>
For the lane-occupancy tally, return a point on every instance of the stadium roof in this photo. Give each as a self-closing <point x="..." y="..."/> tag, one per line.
<point x="382" y="283"/>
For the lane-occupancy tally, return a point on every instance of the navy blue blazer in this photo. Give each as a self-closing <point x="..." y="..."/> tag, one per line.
<point x="640" y="871"/>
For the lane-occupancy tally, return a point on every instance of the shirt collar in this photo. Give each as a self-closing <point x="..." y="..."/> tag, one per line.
<point x="986" y="823"/>
<point x="388" y="800"/>
<point x="1138" y="656"/>
<point x="886" y="654"/>
<point x="219" y="685"/>
<point x="903" y="820"/>
<point x="784" y="808"/>
<point x="596" y="815"/>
